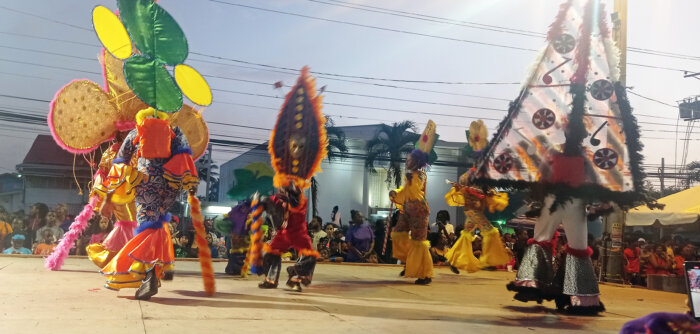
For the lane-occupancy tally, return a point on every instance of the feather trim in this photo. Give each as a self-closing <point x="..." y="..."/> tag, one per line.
<point x="281" y="178"/>
<point x="55" y="260"/>
<point x="203" y="248"/>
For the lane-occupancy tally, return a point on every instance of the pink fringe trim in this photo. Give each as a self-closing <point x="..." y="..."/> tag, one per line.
<point x="55" y="260"/>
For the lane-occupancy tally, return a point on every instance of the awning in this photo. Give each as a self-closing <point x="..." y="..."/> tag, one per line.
<point x="681" y="208"/>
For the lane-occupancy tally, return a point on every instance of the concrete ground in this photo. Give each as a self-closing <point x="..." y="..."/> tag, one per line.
<point x="342" y="299"/>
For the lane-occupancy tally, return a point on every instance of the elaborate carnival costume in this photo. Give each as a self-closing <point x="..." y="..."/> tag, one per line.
<point x="237" y="224"/>
<point x="83" y="116"/>
<point x="474" y="201"/>
<point x="297" y="146"/>
<point x="409" y="236"/>
<point x="573" y="92"/>
<point x="123" y="208"/>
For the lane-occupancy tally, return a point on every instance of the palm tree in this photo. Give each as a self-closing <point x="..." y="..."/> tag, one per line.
<point x="693" y="174"/>
<point x="202" y="172"/>
<point x="337" y="147"/>
<point x="392" y="143"/>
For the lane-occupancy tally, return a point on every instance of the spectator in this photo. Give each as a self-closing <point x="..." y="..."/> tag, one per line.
<point x="183" y="247"/>
<point x="18" y="228"/>
<point x="335" y="217"/>
<point x="688" y="252"/>
<point x="329" y="229"/>
<point x="660" y="262"/>
<point x="678" y="261"/>
<point x="173" y="225"/>
<point x="359" y="239"/>
<point x="17" y="246"/>
<point x="52" y="224"/>
<point x="519" y="246"/>
<point x="61" y="212"/>
<point x="668" y="245"/>
<point x="5" y="227"/>
<point x="47" y="243"/>
<point x="508" y="241"/>
<point x="438" y="248"/>
<point x="442" y="225"/>
<point x="316" y="232"/>
<point x="632" y="253"/>
<point x="37" y="217"/>
<point x="213" y="247"/>
<point x="103" y="228"/>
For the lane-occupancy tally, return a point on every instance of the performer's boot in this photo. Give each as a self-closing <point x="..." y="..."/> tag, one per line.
<point x="535" y="273"/>
<point x="272" y="265"/>
<point x="168" y="275"/>
<point x="235" y="263"/>
<point x="149" y="286"/>
<point x="403" y="272"/>
<point x="303" y="270"/>
<point x="580" y="284"/>
<point x="454" y="269"/>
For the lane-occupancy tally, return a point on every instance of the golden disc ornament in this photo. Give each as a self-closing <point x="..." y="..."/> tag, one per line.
<point x="193" y="127"/>
<point x="82" y="116"/>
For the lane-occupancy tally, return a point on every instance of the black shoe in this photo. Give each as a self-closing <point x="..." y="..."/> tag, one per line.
<point x="423" y="281"/>
<point x="168" y="276"/>
<point x="149" y="286"/>
<point x="403" y="272"/>
<point x="454" y="270"/>
<point x="267" y="285"/>
<point x="585" y="310"/>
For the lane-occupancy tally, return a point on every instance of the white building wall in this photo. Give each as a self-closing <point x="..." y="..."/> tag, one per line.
<point x="340" y="183"/>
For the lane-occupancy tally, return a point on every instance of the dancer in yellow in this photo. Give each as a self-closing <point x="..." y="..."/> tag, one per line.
<point x="474" y="201"/>
<point x="413" y="249"/>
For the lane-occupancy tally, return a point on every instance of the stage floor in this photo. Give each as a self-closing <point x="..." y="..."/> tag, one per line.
<point x="343" y="299"/>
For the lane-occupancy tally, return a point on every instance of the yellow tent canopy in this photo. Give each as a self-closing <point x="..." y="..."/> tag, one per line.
<point x="681" y="208"/>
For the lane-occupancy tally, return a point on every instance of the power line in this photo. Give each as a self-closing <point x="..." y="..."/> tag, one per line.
<point x="654" y="100"/>
<point x="45" y="18"/>
<point x="443" y="20"/>
<point x="373" y="27"/>
<point x="46" y="66"/>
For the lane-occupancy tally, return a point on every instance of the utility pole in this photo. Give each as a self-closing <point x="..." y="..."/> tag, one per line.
<point x="661" y="176"/>
<point x="613" y="262"/>
<point x="619" y="18"/>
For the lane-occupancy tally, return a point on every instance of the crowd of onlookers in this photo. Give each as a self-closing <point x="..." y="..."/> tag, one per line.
<point x="664" y="258"/>
<point x="358" y="240"/>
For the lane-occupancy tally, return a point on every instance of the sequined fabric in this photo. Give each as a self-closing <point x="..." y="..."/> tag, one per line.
<point x="579" y="277"/>
<point x="536" y="266"/>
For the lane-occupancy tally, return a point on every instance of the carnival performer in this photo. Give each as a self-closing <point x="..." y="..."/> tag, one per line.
<point x="580" y="145"/>
<point x="165" y="168"/>
<point x="409" y="236"/>
<point x="297" y="146"/>
<point x="474" y="202"/>
<point x="123" y="208"/>
<point x="236" y="223"/>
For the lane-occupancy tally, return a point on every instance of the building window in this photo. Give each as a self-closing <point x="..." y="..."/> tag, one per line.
<point x="379" y="190"/>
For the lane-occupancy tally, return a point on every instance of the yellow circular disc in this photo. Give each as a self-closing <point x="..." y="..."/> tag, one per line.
<point x="111" y="32"/>
<point x="193" y="85"/>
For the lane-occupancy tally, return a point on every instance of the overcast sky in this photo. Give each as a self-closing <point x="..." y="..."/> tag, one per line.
<point x="30" y="29"/>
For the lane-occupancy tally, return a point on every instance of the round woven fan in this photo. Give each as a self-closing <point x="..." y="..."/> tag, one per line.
<point x="82" y="116"/>
<point x="193" y="127"/>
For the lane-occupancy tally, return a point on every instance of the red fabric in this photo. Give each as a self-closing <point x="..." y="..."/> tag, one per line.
<point x="154" y="138"/>
<point x="544" y="244"/>
<point x="653" y="271"/>
<point x="295" y="235"/>
<point x="678" y="270"/>
<point x="632" y="257"/>
<point x="579" y="252"/>
<point x="568" y="170"/>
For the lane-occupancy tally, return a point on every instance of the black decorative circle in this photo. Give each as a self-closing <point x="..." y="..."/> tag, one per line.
<point x="564" y="43"/>
<point x="503" y="163"/>
<point x="605" y="158"/>
<point x="543" y="118"/>
<point x="602" y="89"/>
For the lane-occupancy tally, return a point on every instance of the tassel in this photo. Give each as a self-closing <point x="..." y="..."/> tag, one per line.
<point x="55" y="260"/>
<point x="203" y="248"/>
<point x="254" y="258"/>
